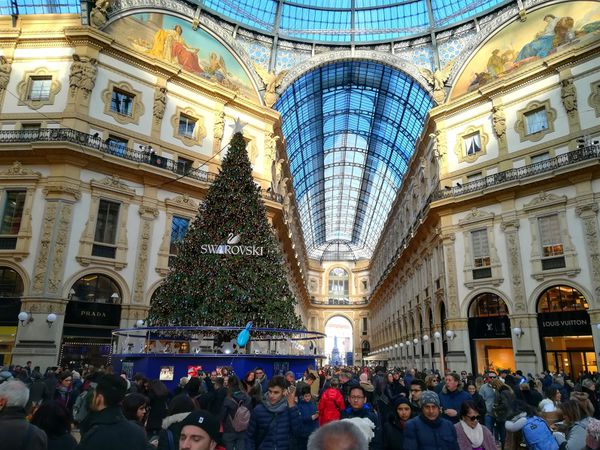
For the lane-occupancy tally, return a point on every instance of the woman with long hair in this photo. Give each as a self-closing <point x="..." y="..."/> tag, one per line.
<point x="252" y="388"/>
<point x="236" y="398"/>
<point x="576" y="419"/>
<point x="535" y="432"/>
<point x="469" y="431"/>
<point x="158" y="393"/>
<point x="135" y="407"/>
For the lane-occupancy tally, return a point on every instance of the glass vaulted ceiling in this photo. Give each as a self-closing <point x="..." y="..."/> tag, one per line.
<point x="348" y="21"/>
<point x="350" y="130"/>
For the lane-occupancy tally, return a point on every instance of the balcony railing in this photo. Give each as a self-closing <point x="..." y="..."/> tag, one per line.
<point x="110" y="148"/>
<point x="338" y="302"/>
<point x="587" y="153"/>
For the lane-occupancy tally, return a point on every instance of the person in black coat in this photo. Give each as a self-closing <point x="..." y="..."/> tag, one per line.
<point x="477" y="399"/>
<point x="53" y="418"/>
<point x="105" y="427"/>
<point x="393" y="428"/>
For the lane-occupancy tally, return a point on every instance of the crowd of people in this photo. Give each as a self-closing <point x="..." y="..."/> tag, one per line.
<point x="334" y="408"/>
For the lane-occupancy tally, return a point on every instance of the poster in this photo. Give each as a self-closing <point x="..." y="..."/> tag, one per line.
<point x="166" y="373"/>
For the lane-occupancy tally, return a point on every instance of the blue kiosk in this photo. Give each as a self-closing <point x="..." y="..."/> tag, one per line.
<point x="170" y="353"/>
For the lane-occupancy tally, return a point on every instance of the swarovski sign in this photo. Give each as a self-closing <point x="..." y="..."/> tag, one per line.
<point x="231" y="248"/>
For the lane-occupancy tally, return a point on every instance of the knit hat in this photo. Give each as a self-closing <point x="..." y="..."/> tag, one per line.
<point x="399" y="400"/>
<point x="204" y="420"/>
<point x="430" y="397"/>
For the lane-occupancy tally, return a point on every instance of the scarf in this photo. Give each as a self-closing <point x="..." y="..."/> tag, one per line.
<point x="475" y="435"/>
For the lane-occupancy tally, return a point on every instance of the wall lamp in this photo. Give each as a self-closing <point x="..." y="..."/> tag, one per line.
<point x="71" y="294"/>
<point x="415" y="341"/>
<point x="518" y="331"/>
<point x="425" y="338"/>
<point x="114" y="298"/>
<point x="408" y="343"/>
<point x="51" y="319"/>
<point x="437" y="335"/>
<point x="139" y="323"/>
<point x="450" y="334"/>
<point x="25" y="318"/>
<point x="402" y="343"/>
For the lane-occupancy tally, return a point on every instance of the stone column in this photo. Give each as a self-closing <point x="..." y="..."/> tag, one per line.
<point x="147" y="214"/>
<point x="36" y="340"/>
<point x="459" y="348"/>
<point x="527" y="347"/>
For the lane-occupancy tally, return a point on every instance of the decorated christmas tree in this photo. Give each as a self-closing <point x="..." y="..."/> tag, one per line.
<point x="229" y="269"/>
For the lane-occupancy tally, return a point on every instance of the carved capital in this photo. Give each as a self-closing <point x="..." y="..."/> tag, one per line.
<point x="148" y="213"/>
<point x="590" y="209"/>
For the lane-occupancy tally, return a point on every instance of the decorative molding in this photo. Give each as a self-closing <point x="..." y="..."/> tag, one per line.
<point x="521" y="127"/>
<point x="545" y="200"/>
<point x="515" y="266"/>
<point x="137" y="107"/>
<point x="588" y="213"/>
<point x="19" y="170"/>
<point x="82" y="76"/>
<point x="199" y="129"/>
<point x="5" y="69"/>
<point x="147" y="214"/>
<point x="568" y="95"/>
<point x="160" y="104"/>
<point x="499" y="122"/>
<point x="476" y="216"/>
<point x="459" y="147"/>
<point x="594" y="98"/>
<point x="24" y="86"/>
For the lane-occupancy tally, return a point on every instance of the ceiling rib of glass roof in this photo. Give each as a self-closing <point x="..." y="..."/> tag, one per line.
<point x="350" y="130"/>
<point x="348" y="21"/>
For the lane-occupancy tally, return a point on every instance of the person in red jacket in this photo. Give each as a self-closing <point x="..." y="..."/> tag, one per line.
<point x="331" y="403"/>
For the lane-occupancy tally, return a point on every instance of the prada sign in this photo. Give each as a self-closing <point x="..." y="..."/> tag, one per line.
<point x="91" y="313"/>
<point x="489" y="327"/>
<point x="565" y="323"/>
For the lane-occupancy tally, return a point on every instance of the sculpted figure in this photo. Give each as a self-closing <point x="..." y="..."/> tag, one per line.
<point x="438" y="79"/>
<point x="5" y="68"/>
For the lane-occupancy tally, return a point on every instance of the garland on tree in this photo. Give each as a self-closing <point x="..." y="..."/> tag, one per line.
<point x="217" y="278"/>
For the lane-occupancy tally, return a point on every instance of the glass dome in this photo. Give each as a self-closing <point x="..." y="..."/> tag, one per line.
<point x="348" y="21"/>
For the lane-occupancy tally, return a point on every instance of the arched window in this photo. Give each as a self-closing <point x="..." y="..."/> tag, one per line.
<point x="561" y="298"/>
<point x="338" y="283"/>
<point x="365" y="348"/>
<point x="488" y="305"/>
<point x="11" y="290"/>
<point x="96" y="288"/>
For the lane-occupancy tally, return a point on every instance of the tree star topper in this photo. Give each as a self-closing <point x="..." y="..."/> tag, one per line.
<point x="238" y="126"/>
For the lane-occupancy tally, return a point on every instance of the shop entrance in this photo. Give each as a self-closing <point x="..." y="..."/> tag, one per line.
<point x="565" y="331"/>
<point x="489" y="330"/>
<point x="11" y="290"/>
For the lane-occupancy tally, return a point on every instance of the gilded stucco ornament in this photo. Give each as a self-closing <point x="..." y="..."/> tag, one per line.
<point x="99" y="14"/>
<point x="499" y="121"/>
<point x="437" y="79"/>
<point x="271" y="81"/>
<point x="160" y="103"/>
<point x="568" y="94"/>
<point x="82" y="75"/>
<point x="5" y="68"/>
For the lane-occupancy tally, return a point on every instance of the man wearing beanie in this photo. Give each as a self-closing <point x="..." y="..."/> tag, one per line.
<point x="199" y="431"/>
<point x="429" y="431"/>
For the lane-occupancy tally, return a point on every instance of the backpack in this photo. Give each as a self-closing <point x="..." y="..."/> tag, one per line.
<point x="241" y="418"/>
<point x="537" y="435"/>
<point x="81" y="407"/>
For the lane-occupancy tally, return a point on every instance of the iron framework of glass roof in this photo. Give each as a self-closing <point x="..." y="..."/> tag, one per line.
<point x="348" y="21"/>
<point x="350" y="129"/>
<point x="17" y="7"/>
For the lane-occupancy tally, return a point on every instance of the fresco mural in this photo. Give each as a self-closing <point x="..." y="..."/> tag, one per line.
<point x="546" y="31"/>
<point x="173" y="40"/>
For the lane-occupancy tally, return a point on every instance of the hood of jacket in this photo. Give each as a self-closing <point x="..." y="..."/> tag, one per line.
<point x="170" y="420"/>
<point x="367" y="386"/>
<point x="330" y="393"/>
<point x="458" y="389"/>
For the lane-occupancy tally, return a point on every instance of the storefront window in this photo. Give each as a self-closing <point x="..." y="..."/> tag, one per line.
<point x="489" y="330"/>
<point x="11" y="290"/>
<point x="565" y="331"/>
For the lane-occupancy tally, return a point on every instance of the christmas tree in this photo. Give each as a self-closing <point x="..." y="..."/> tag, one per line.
<point x="229" y="269"/>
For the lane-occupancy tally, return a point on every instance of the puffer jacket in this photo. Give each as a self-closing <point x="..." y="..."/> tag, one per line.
<point x="453" y="400"/>
<point x="330" y="406"/>
<point x="308" y="425"/>
<point x="276" y="424"/>
<point x="421" y="433"/>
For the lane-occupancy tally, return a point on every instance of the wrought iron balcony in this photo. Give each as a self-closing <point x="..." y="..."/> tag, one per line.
<point x="338" y="302"/>
<point x="81" y="139"/>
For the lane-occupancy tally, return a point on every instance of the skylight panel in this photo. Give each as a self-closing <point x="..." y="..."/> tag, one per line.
<point x="258" y="14"/>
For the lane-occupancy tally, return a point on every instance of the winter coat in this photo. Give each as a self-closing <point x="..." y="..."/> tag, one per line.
<point x="393" y="433"/>
<point x="277" y="424"/>
<point x="14" y="429"/>
<point x="366" y="412"/>
<point x="229" y="408"/>
<point x="453" y="400"/>
<point x="421" y="433"/>
<point x="330" y="406"/>
<point x="465" y="444"/>
<point x="158" y="411"/>
<point x="173" y="424"/>
<point x="63" y="442"/>
<point x="109" y="429"/>
<point x="479" y="403"/>
<point x="308" y="425"/>
<point x="575" y="437"/>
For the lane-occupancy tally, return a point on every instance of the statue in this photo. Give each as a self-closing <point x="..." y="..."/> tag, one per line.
<point x="272" y="82"/>
<point x="438" y="79"/>
<point x="160" y="103"/>
<point x="568" y="94"/>
<point x="82" y="75"/>
<point x="5" y="68"/>
<point x="219" y="128"/>
<point x="439" y="144"/>
<point x="99" y="13"/>
<point x="499" y="121"/>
